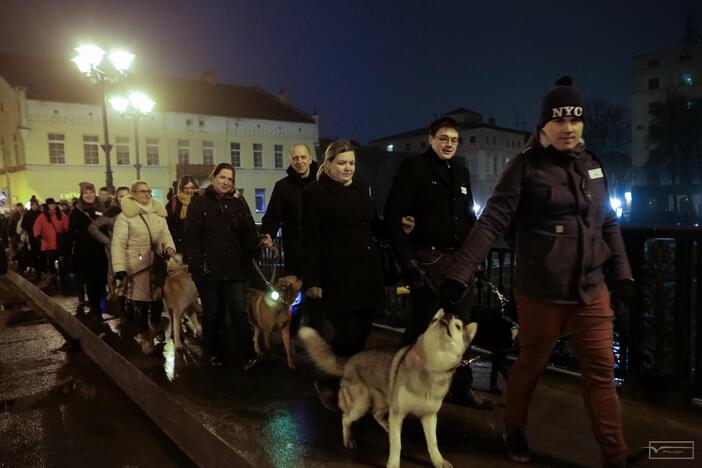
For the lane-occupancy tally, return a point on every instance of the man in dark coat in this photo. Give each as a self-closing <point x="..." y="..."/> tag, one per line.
<point x="434" y="189"/>
<point x="568" y="242"/>
<point x="284" y="212"/>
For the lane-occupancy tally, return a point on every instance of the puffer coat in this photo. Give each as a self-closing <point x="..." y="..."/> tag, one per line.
<point x="131" y="245"/>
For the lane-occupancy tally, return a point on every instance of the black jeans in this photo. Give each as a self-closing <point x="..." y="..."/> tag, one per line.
<point x="222" y="300"/>
<point x="351" y="330"/>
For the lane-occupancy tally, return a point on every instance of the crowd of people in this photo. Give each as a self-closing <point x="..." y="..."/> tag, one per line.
<point x="553" y="196"/>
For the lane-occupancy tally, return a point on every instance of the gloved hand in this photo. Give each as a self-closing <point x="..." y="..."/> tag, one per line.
<point x="451" y="292"/>
<point x="414" y="275"/>
<point x="623" y="293"/>
<point x="120" y="275"/>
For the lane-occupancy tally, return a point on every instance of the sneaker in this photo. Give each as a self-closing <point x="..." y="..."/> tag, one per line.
<point x="328" y="397"/>
<point x="253" y="363"/>
<point x="517" y="447"/>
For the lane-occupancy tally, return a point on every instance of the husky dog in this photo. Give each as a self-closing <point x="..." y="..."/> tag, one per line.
<point x="395" y="383"/>
<point x="181" y="298"/>
<point x="267" y="316"/>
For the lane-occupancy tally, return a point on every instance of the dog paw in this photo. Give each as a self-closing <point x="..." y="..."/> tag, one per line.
<point x="291" y="364"/>
<point x="393" y="464"/>
<point x="350" y="443"/>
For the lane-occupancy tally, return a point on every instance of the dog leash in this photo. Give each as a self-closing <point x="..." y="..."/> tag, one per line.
<point x="276" y="251"/>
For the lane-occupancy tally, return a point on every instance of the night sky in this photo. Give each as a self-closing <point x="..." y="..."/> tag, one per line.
<point x="370" y="68"/>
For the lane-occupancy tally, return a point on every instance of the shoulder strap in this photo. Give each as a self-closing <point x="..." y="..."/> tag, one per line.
<point x="151" y="239"/>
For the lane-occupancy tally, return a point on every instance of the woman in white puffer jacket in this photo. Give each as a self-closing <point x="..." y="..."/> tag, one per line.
<point x="133" y="251"/>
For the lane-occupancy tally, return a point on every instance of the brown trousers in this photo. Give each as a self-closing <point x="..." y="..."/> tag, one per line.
<point x="540" y="323"/>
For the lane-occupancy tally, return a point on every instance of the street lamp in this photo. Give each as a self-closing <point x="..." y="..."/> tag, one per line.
<point x="91" y="62"/>
<point x="136" y="105"/>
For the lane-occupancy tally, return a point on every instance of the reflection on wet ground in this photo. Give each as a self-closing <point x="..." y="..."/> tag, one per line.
<point x="58" y="409"/>
<point x="272" y="416"/>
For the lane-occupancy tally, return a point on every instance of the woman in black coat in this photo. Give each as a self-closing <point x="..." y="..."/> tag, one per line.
<point x="89" y="258"/>
<point x="177" y="208"/>
<point x="220" y="240"/>
<point x="341" y="265"/>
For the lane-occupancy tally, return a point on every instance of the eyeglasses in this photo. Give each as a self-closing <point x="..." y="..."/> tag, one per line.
<point x="444" y="139"/>
<point x="144" y="192"/>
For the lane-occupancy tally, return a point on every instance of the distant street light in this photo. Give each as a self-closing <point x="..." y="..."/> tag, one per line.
<point x="136" y="105"/>
<point x="91" y="62"/>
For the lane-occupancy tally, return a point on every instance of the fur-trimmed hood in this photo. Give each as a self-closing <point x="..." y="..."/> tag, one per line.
<point x="131" y="208"/>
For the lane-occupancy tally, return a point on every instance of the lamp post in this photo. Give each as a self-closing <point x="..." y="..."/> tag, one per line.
<point x="136" y="105"/>
<point x="91" y="62"/>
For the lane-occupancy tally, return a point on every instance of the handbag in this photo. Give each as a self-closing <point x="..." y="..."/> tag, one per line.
<point x="392" y="273"/>
<point x="158" y="270"/>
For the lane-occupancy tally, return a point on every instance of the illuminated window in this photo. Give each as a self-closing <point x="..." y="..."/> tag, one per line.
<point x="122" y="148"/>
<point x="90" y="149"/>
<point x="57" y="153"/>
<point x="152" y="150"/>
<point x="278" y="156"/>
<point x="390" y="148"/>
<point x="183" y="151"/>
<point x="208" y="153"/>
<point x="235" y="154"/>
<point x="260" y="200"/>
<point x="258" y="154"/>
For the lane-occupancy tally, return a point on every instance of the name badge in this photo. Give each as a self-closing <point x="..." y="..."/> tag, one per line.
<point x="595" y="173"/>
<point x="560" y="229"/>
<point x="98" y="213"/>
<point x="464" y="191"/>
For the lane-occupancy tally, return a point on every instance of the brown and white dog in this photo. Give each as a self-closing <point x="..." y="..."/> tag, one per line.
<point x="267" y="316"/>
<point x="181" y="298"/>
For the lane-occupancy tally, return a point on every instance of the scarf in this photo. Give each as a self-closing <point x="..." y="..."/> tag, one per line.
<point x="185" y="201"/>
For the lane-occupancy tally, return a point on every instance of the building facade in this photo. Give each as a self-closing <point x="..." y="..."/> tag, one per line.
<point x="485" y="148"/>
<point x="52" y="131"/>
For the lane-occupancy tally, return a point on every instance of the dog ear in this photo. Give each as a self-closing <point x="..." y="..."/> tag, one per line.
<point x="439" y="314"/>
<point x="469" y="331"/>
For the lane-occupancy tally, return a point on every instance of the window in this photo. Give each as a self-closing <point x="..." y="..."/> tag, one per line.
<point x="408" y="146"/>
<point x="494" y="140"/>
<point x="90" y="149"/>
<point x="235" y="154"/>
<point x="57" y="154"/>
<point x="471" y="139"/>
<point x="122" y="151"/>
<point x="278" y="156"/>
<point x="208" y="153"/>
<point x="653" y="63"/>
<point x="687" y="79"/>
<point x="188" y="123"/>
<point x="685" y="57"/>
<point x="260" y="200"/>
<point x="183" y="152"/>
<point x="201" y="123"/>
<point x="424" y="145"/>
<point x="653" y="107"/>
<point x="258" y="155"/>
<point x="152" y="151"/>
<point x="390" y="148"/>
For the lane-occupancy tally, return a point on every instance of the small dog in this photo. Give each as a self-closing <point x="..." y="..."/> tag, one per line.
<point x="181" y="298"/>
<point x="412" y="380"/>
<point x="267" y="316"/>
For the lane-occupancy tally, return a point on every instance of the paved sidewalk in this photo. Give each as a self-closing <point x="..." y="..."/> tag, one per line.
<point x="271" y="417"/>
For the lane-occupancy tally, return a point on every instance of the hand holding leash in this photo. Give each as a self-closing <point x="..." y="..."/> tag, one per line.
<point x="314" y="292"/>
<point x="414" y="275"/>
<point x="266" y="241"/>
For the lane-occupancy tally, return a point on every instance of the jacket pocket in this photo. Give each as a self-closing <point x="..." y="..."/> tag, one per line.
<point x="599" y="255"/>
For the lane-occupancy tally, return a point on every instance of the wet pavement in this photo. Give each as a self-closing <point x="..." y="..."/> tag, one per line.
<point x="58" y="409"/>
<point x="272" y="417"/>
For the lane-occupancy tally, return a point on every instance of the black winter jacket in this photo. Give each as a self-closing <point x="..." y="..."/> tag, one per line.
<point x="284" y="211"/>
<point x="438" y="194"/>
<point x="220" y="237"/>
<point x="567" y="236"/>
<point x="341" y="256"/>
<point x="88" y="253"/>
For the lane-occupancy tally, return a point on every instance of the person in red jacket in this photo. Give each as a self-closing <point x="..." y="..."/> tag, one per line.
<point x="47" y="227"/>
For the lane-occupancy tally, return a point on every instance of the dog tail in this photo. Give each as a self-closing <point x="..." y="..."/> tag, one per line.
<point x="321" y="353"/>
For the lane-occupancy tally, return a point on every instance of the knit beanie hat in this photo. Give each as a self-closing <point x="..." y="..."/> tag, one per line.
<point x="561" y="101"/>
<point x="86" y="186"/>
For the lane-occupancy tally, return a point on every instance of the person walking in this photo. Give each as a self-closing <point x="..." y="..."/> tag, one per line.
<point x="568" y="244"/>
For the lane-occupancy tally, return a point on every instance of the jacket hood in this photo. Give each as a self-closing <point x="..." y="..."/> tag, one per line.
<point x="131" y="208"/>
